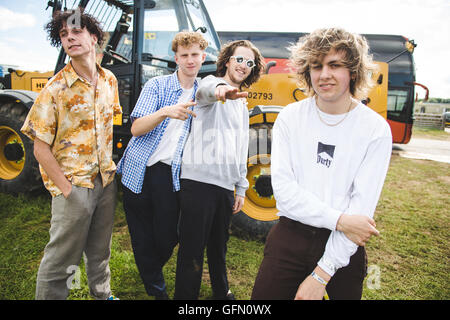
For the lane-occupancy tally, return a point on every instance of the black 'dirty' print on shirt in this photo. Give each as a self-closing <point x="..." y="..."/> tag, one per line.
<point x="325" y="153"/>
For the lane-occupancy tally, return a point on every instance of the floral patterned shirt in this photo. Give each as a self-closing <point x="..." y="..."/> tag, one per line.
<point x="76" y="120"/>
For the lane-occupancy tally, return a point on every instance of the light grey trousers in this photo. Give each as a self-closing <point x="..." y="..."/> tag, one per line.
<point x="82" y="223"/>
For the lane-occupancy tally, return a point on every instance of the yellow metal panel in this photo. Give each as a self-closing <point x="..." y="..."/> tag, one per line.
<point x="33" y="81"/>
<point x="278" y="89"/>
<point x="117" y="120"/>
<point x="377" y="99"/>
<point x="150" y="36"/>
<point x="257" y="119"/>
<point x="37" y="84"/>
<point x="271" y="117"/>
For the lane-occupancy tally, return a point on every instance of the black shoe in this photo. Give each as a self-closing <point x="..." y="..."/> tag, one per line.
<point x="229" y="296"/>
<point x="162" y="296"/>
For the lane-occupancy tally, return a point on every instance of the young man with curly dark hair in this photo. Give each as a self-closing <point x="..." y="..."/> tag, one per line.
<point x="214" y="166"/>
<point x="330" y="155"/>
<point x="71" y="123"/>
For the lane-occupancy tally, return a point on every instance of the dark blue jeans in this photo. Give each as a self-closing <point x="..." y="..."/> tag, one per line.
<point x="152" y="218"/>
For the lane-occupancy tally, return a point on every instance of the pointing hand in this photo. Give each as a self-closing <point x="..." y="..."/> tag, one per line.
<point x="224" y="92"/>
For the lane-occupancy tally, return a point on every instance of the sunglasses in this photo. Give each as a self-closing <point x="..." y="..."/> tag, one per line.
<point x="240" y="59"/>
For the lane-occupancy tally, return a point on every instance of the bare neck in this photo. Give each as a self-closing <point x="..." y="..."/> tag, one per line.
<point x="186" y="82"/>
<point x="343" y="105"/>
<point x="85" y="66"/>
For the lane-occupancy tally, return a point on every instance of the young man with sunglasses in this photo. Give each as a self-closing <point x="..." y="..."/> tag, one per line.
<point x="330" y="155"/>
<point x="214" y="167"/>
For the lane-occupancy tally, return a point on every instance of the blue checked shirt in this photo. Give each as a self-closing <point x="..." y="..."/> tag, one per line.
<point x="158" y="92"/>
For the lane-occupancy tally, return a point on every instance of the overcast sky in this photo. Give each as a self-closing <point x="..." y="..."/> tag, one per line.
<point x="23" y="41"/>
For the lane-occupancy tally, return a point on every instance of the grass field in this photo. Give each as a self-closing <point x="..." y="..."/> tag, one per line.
<point x="430" y="133"/>
<point x="409" y="260"/>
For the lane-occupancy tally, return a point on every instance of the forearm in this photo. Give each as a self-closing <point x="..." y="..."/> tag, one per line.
<point x="144" y="125"/>
<point x="313" y="287"/>
<point x="206" y="92"/>
<point x="367" y="187"/>
<point x="338" y="252"/>
<point x="243" y="184"/>
<point x="48" y="162"/>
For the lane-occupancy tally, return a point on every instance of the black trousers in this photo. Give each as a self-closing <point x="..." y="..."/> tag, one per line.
<point x="152" y="218"/>
<point x="204" y="221"/>
<point x="291" y="253"/>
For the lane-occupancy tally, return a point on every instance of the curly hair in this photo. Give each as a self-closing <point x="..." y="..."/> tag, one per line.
<point x="314" y="47"/>
<point x="188" y="38"/>
<point x="86" y="21"/>
<point x="228" y="50"/>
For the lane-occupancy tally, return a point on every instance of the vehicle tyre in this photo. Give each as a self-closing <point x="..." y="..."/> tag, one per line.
<point x="19" y="171"/>
<point x="245" y="226"/>
<point x="259" y="213"/>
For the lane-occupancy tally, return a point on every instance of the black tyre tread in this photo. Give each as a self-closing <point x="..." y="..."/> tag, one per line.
<point x="244" y="226"/>
<point x="12" y="115"/>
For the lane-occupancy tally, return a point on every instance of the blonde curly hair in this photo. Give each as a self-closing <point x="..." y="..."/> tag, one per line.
<point x="315" y="46"/>
<point x="188" y="38"/>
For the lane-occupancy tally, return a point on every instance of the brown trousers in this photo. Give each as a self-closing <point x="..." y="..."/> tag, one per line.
<point x="291" y="253"/>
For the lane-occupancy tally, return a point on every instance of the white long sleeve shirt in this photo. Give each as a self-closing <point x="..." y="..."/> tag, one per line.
<point x="320" y="171"/>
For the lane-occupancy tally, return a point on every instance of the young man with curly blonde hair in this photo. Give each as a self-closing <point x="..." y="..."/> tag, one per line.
<point x="150" y="166"/>
<point x="330" y="155"/>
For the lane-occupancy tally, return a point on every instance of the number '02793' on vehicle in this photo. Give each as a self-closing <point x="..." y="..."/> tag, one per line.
<point x="260" y="95"/>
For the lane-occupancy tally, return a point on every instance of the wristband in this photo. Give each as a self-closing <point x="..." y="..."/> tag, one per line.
<point x="319" y="279"/>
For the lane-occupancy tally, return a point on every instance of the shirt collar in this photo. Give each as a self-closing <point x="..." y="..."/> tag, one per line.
<point x="71" y="76"/>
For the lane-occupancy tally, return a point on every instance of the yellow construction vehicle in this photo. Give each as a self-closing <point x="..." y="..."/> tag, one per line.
<point x="135" y="55"/>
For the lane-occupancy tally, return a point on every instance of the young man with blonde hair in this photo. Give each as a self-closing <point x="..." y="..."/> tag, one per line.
<point x="214" y="169"/>
<point x="150" y="166"/>
<point x="330" y="155"/>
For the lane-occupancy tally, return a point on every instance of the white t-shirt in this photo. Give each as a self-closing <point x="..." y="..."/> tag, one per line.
<point x="168" y="144"/>
<point x="321" y="171"/>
